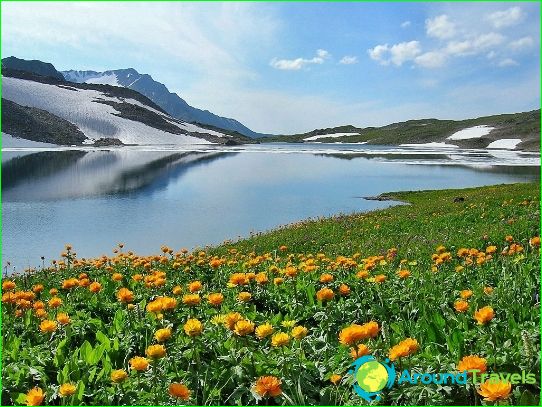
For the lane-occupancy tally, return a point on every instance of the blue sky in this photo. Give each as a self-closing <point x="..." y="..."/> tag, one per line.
<point x="293" y="67"/>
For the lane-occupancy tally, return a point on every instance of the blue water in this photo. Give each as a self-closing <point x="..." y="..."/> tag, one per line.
<point x="96" y="199"/>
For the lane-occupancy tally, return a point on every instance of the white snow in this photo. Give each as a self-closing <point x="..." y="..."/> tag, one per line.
<point x="471" y="132"/>
<point x="196" y="129"/>
<point x="106" y="79"/>
<point x="331" y="135"/>
<point x="429" y="145"/>
<point x="505" y="143"/>
<point x="8" y="141"/>
<point x="95" y="120"/>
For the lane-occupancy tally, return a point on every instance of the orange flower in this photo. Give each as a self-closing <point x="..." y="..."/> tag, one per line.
<point x="193" y="327"/>
<point x="191" y="299"/>
<point x="472" y="362"/>
<point x="404" y="348"/>
<point x="67" y="389"/>
<point x="261" y="278"/>
<point x="63" y="318"/>
<point x="466" y="294"/>
<point x="195" y="286"/>
<point x="380" y="278"/>
<point x="238" y="279"/>
<point x="299" y="332"/>
<point x="359" y="351"/>
<point x="264" y="330"/>
<point x="493" y="390"/>
<point x="177" y="290"/>
<point x="95" y="287"/>
<point x="179" y="390"/>
<point x="344" y="290"/>
<point x="125" y="295"/>
<point x="488" y="290"/>
<point x="118" y="375"/>
<point x="355" y="333"/>
<point x="53" y="291"/>
<point x="215" y="299"/>
<point x="280" y="339"/>
<point x="244" y="296"/>
<point x="156" y="351"/>
<point x="461" y="306"/>
<point x="162" y="334"/>
<point x="335" y="379"/>
<point x="139" y="363"/>
<point x="38" y="288"/>
<point x="278" y="280"/>
<point x="325" y="294"/>
<point x="535" y="241"/>
<point x="484" y="315"/>
<point x="35" y="397"/>
<point x="55" y="302"/>
<point x="48" y="326"/>
<point x="268" y="386"/>
<point x="116" y="276"/>
<point x="326" y="278"/>
<point x="403" y="274"/>
<point x="231" y="319"/>
<point x="8" y="285"/>
<point x="243" y="327"/>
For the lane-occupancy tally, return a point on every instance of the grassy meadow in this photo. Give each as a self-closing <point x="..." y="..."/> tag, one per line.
<point x="447" y="282"/>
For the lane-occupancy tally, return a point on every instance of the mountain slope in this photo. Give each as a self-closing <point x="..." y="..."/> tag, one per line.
<point x="99" y="112"/>
<point x="33" y="66"/>
<point x="172" y="103"/>
<point x="522" y="130"/>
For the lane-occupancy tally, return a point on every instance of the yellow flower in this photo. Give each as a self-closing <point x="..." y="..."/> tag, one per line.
<point x="264" y="330"/>
<point x="472" y="362"/>
<point x="55" y="302"/>
<point x="461" y="306"/>
<point x="488" y="290"/>
<point x="244" y="296"/>
<point x="63" y="318"/>
<point x="268" y="386"/>
<point x="278" y="280"/>
<point x="156" y="351"/>
<point x="243" y="327"/>
<point x="335" y="379"/>
<point x="177" y="290"/>
<point x="34" y="397"/>
<point x="139" y="363"/>
<point x="288" y="323"/>
<point x="48" y="326"/>
<point x="484" y="315"/>
<point x="280" y="339"/>
<point x="230" y="320"/>
<point x="215" y="299"/>
<point x="193" y="327"/>
<point x="118" y="376"/>
<point x="493" y="390"/>
<point x="179" y="390"/>
<point x="162" y="334"/>
<point x="67" y="389"/>
<point x="299" y="332"/>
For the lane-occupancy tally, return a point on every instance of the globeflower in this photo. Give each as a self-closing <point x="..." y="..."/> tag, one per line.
<point x="162" y="334"/>
<point x="243" y="327"/>
<point x="139" y="363"/>
<point x="326" y="278"/>
<point x="335" y="379"/>
<point x="95" y="287"/>
<point x="215" y="299"/>
<point x="191" y="299"/>
<point x="195" y="286"/>
<point x="244" y="296"/>
<point x="34" y="397"/>
<point x="404" y="348"/>
<point x="125" y="295"/>
<point x="63" y="318"/>
<point x="55" y="302"/>
<point x="264" y="330"/>
<point x="231" y="319"/>
<point x="48" y="326"/>
<point x="268" y="386"/>
<point x="299" y="332"/>
<point x="156" y="351"/>
<point x="466" y="294"/>
<point x="344" y="290"/>
<point x="461" y="306"/>
<point x="325" y="294"/>
<point x="470" y="363"/>
<point x="67" y="389"/>
<point x="359" y="351"/>
<point x="484" y="315"/>
<point x="493" y="390"/>
<point x="280" y="339"/>
<point x="8" y="285"/>
<point x="118" y="375"/>
<point x="193" y="327"/>
<point x="179" y="390"/>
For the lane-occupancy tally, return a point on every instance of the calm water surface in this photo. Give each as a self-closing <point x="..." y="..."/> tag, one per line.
<point x="148" y="197"/>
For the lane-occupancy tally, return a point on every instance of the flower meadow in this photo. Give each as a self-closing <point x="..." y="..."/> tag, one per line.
<point x="280" y="324"/>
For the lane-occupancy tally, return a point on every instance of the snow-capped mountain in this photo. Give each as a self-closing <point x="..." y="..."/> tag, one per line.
<point x="45" y="109"/>
<point x="159" y="94"/>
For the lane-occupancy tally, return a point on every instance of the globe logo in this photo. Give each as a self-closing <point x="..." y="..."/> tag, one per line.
<point x="372" y="376"/>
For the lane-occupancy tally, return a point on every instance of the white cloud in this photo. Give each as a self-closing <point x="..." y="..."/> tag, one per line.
<point x="505" y="18"/>
<point x="440" y="27"/>
<point x="507" y="62"/>
<point x="432" y="59"/>
<point x="405" y="24"/>
<point x="348" y="60"/>
<point x="521" y="43"/>
<point x="474" y="45"/>
<point x="299" y="63"/>
<point x="396" y="54"/>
